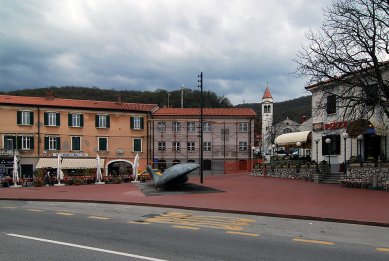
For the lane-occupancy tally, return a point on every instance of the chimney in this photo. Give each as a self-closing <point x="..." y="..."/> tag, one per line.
<point x="50" y="95"/>
<point x="120" y="99"/>
<point x="303" y="118"/>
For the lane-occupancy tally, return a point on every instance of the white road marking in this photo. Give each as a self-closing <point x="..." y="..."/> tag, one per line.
<point x="86" y="247"/>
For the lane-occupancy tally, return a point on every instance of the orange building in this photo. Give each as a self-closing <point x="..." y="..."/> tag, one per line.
<point x="37" y="129"/>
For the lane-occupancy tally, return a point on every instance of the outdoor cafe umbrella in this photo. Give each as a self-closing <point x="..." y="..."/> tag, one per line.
<point x="59" y="171"/>
<point x="15" y="172"/>
<point x="98" y="171"/>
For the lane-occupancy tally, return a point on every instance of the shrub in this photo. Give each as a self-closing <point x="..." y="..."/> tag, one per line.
<point x="38" y="183"/>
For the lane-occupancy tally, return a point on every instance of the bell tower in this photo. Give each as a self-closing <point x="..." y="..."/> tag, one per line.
<point x="267" y="119"/>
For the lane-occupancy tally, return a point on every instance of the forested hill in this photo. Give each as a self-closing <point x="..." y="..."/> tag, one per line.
<point x="294" y="109"/>
<point x="160" y="97"/>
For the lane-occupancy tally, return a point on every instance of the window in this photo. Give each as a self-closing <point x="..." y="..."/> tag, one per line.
<point x="176" y="127"/>
<point x="25" y="118"/>
<point x="161" y="145"/>
<point x="102" y="121"/>
<point x="206" y="126"/>
<point x="137" y="145"/>
<point x="52" y="143"/>
<point x="333" y="148"/>
<point x="103" y="143"/>
<point x="52" y="119"/>
<point x="242" y="126"/>
<point x="268" y="109"/>
<point x="76" y="143"/>
<point x="331" y="104"/>
<point x="191" y="146"/>
<point x="136" y="123"/>
<point x="287" y="130"/>
<point x="207" y="146"/>
<point x="75" y="120"/>
<point x="176" y="146"/>
<point x="26" y="143"/>
<point x="191" y="126"/>
<point x="225" y="134"/>
<point x="242" y="145"/>
<point x="9" y="142"/>
<point x="161" y="127"/>
<point x="372" y="95"/>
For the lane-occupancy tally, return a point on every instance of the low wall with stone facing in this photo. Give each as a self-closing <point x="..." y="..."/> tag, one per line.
<point x="377" y="176"/>
<point x="305" y="173"/>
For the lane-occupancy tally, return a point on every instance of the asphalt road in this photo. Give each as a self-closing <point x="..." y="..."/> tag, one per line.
<point x="82" y="231"/>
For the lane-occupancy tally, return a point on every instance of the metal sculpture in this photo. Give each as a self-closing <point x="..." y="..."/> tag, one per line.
<point x="176" y="175"/>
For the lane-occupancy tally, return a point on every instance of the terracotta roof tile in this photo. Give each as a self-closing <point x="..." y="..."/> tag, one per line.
<point x="206" y="112"/>
<point x="71" y="103"/>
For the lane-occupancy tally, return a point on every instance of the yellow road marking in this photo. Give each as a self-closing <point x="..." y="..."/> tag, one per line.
<point x="138" y="223"/>
<point x="242" y="233"/>
<point x="313" y="241"/>
<point x="34" y="210"/>
<point x="186" y="227"/>
<point x="65" y="213"/>
<point x="9" y="207"/>
<point x="100" y="218"/>
<point x="382" y="249"/>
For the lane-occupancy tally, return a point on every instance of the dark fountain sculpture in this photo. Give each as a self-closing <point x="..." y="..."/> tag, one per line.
<point x="174" y="176"/>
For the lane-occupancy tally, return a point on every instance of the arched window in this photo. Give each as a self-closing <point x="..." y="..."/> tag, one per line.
<point x="265" y="109"/>
<point x="176" y="162"/>
<point x="269" y="109"/>
<point x="162" y="165"/>
<point x="287" y="130"/>
<point x="207" y="165"/>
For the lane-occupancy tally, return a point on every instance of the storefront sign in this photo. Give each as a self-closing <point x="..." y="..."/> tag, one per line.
<point x="335" y="125"/>
<point x="317" y="126"/>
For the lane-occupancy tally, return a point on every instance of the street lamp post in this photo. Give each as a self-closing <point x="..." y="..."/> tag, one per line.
<point x="317" y="154"/>
<point x="360" y="138"/>
<point x="200" y="85"/>
<point x="253" y="149"/>
<point x="345" y="137"/>
<point x="328" y="141"/>
<point x="298" y="144"/>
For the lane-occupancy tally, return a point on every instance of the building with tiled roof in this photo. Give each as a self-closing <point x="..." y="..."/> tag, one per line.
<point x="228" y="136"/>
<point x="38" y="129"/>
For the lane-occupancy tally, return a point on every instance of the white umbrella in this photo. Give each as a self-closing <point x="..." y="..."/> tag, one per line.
<point x="15" y="172"/>
<point x="98" y="171"/>
<point x="136" y="166"/>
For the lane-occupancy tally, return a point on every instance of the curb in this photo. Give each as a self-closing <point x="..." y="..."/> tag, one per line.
<point x="278" y="215"/>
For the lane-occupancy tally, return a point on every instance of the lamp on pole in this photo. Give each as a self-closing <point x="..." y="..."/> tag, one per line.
<point x="317" y="154"/>
<point x="273" y="146"/>
<point x="328" y="141"/>
<point x="360" y="138"/>
<point x="200" y="85"/>
<point x="298" y="144"/>
<point x="345" y="137"/>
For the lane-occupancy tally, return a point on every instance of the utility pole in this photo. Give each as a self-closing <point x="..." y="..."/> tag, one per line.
<point x="200" y="84"/>
<point x="182" y="96"/>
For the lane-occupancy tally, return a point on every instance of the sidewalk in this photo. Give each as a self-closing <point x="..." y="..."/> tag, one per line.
<point x="241" y="193"/>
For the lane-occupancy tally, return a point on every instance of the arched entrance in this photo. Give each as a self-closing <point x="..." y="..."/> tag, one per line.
<point x="119" y="167"/>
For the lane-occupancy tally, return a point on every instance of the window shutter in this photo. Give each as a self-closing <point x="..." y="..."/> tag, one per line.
<point x="70" y="120"/>
<point x="46" y="143"/>
<point x="32" y="142"/>
<point x="137" y="145"/>
<point x="19" y="142"/>
<point x="108" y="121"/>
<point x="58" y="119"/>
<point x="81" y="120"/>
<point x="141" y="123"/>
<point x="19" y="117"/>
<point x="58" y="143"/>
<point x="31" y="118"/>
<point x="46" y="119"/>
<point x="97" y="121"/>
<point x="132" y="123"/>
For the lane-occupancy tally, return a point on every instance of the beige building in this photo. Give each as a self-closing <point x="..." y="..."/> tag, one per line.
<point x="37" y="129"/>
<point x="228" y="138"/>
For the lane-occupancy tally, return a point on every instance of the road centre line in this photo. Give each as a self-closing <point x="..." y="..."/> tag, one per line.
<point x="35" y="210"/>
<point x="328" y="243"/>
<point x="138" y="223"/>
<point x="65" y="213"/>
<point x="242" y="233"/>
<point x="97" y="217"/>
<point x="382" y="249"/>
<point x="9" y="207"/>
<point x="86" y="247"/>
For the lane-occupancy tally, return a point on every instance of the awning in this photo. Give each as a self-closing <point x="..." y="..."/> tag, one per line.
<point x="292" y="138"/>
<point x="69" y="163"/>
<point x="363" y="126"/>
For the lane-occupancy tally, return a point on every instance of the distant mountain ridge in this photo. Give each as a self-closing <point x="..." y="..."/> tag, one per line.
<point x="294" y="109"/>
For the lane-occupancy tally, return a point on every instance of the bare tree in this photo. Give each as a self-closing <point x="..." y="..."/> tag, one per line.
<point x="350" y="50"/>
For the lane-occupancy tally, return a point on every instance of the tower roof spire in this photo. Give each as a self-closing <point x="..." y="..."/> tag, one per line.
<point x="267" y="94"/>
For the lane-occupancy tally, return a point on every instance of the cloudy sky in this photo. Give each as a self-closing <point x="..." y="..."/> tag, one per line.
<point x="239" y="45"/>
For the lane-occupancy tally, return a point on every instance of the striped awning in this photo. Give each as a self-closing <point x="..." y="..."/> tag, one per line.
<point x="69" y="163"/>
<point x="292" y="138"/>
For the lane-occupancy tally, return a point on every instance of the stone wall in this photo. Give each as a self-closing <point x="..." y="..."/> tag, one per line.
<point x="307" y="172"/>
<point x="377" y="176"/>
